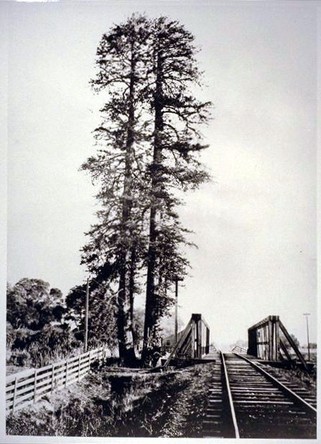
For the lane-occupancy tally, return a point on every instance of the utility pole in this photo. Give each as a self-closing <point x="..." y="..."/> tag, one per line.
<point x="308" y="339"/>
<point x="86" y="317"/>
<point x="176" y="307"/>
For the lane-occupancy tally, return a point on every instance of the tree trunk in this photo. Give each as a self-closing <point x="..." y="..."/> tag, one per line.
<point x="151" y="303"/>
<point x="125" y="298"/>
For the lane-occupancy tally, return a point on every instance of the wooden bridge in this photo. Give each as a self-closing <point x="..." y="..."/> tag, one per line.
<point x="193" y="342"/>
<point x="269" y="340"/>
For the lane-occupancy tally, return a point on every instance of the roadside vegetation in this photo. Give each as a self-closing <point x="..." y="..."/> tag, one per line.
<point x="122" y="403"/>
<point x="43" y="326"/>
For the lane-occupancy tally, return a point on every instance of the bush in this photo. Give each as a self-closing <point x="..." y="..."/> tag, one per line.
<point x="19" y="358"/>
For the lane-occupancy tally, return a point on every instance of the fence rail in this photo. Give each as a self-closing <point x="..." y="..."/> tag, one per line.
<point x="29" y="386"/>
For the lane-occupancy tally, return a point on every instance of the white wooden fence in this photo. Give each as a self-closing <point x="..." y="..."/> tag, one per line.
<point x="30" y="385"/>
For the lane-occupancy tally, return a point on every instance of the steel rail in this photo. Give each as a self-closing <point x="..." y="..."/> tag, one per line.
<point x="283" y="387"/>
<point x="230" y="398"/>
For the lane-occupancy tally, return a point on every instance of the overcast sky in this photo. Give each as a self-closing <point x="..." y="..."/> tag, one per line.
<point x="255" y="223"/>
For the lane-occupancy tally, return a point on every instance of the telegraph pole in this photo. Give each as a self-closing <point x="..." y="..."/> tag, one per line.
<point x="86" y="316"/>
<point x="308" y="339"/>
<point x="176" y="307"/>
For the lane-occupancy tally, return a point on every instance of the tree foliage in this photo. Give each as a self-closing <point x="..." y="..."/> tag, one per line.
<point x="30" y="304"/>
<point x="37" y="331"/>
<point x="101" y="319"/>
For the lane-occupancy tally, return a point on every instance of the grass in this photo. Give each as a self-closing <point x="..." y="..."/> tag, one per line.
<point x="124" y="404"/>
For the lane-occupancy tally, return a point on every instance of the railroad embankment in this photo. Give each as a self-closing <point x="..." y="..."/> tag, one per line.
<point x="122" y="403"/>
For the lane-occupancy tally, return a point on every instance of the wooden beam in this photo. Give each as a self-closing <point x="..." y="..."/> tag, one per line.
<point x="264" y="322"/>
<point x="293" y="345"/>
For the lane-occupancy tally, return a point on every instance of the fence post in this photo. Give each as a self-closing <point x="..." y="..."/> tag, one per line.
<point x="14" y="394"/>
<point x="79" y="362"/>
<point x="97" y="354"/>
<point x="66" y="372"/>
<point x="52" y="377"/>
<point x="35" y="386"/>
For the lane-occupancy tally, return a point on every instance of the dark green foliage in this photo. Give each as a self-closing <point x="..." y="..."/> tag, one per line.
<point x="101" y="319"/>
<point x="138" y="326"/>
<point x="37" y="327"/>
<point x="28" y="304"/>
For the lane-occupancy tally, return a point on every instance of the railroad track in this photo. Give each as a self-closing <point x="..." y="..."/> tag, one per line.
<point x="246" y="401"/>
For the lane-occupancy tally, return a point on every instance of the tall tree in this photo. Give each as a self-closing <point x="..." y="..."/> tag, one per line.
<point x="115" y="245"/>
<point x="150" y="150"/>
<point x="175" y="145"/>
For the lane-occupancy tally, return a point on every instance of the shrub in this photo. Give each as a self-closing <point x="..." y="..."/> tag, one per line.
<point x="19" y="358"/>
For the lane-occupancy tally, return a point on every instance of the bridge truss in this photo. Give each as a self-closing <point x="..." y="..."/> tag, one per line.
<point x="270" y="340"/>
<point x="193" y="342"/>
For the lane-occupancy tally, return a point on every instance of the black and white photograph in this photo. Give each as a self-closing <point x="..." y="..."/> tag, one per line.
<point x="160" y="212"/>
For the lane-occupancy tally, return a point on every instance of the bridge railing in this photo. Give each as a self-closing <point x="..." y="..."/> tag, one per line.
<point x="30" y="385"/>
<point x="239" y="349"/>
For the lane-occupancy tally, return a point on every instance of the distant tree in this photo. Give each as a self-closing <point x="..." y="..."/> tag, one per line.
<point x="31" y="305"/>
<point x="36" y="328"/>
<point x="138" y="326"/>
<point x="295" y="340"/>
<point x="167" y="325"/>
<point x="102" y="326"/>
<point x="75" y="302"/>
